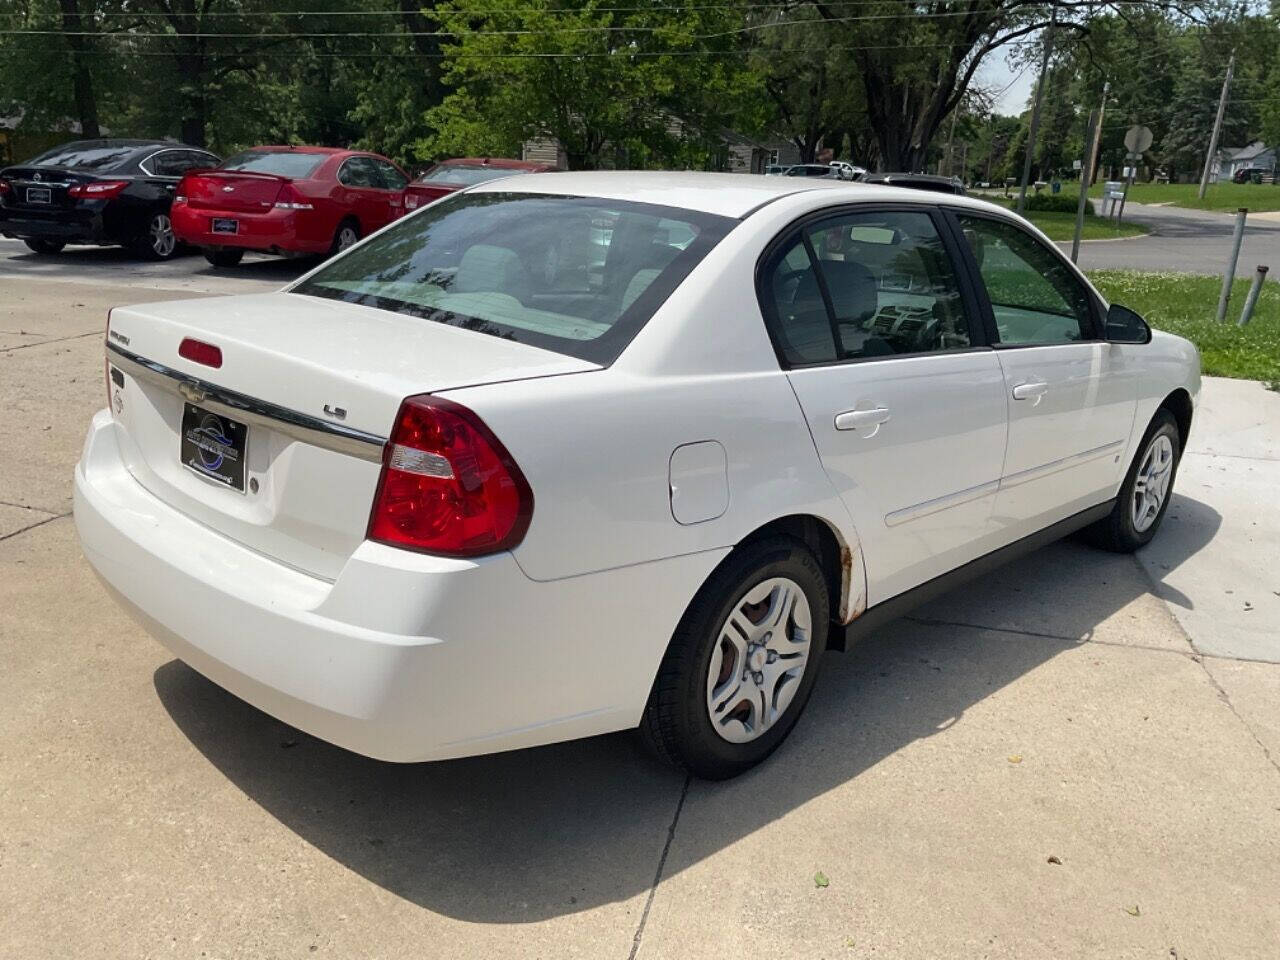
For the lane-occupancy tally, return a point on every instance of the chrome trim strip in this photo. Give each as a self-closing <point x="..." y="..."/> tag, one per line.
<point x="1057" y="466"/>
<point x="246" y="409"/>
<point x="907" y="514"/>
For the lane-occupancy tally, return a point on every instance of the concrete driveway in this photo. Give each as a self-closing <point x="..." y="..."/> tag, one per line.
<point x="1073" y="758"/>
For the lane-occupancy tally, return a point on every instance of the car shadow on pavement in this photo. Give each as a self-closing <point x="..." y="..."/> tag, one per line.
<point x="532" y="834"/>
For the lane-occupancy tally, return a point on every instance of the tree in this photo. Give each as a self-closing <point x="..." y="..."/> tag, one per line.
<point x="645" y="85"/>
<point x="916" y="62"/>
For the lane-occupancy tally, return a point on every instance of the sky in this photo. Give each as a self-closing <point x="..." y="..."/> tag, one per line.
<point x="1016" y="85"/>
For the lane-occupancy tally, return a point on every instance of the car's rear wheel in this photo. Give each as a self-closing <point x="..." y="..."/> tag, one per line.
<point x="347" y="234"/>
<point x="45" y="248"/>
<point x="223" y="256"/>
<point x="158" y="241"/>
<point x="1147" y="489"/>
<point x="742" y="662"/>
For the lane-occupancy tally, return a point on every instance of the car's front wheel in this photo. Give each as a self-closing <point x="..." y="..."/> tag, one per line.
<point x="742" y="662"/>
<point x="45" y="248"/>
<point x="223" y="256"/>
<point x="1147" y="489"/>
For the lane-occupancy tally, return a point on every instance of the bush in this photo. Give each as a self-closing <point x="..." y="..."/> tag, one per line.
<point x="1056" y="203"/>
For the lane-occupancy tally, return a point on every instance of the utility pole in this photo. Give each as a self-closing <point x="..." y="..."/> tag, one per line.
<point x="1217" y="125"/>
<point x="951" y="137"/>
<point x="1035" y="110"/>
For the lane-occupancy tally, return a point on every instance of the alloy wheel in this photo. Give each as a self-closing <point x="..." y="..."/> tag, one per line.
<point x="759" y="660"/>
<point x="160" y="232"/>
<point x="347" y="236"/>
<point x="1151" y="484"/>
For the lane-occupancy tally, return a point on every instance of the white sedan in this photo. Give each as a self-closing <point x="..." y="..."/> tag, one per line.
<point x="575" y="453"/>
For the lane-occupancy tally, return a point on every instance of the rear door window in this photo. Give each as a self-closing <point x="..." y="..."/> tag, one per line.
<point x="882" y="283"/>
<point x="576" y="275"/>
<point x="359" y="172"/>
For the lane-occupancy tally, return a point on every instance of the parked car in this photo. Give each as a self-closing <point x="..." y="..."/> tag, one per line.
<point x="847" y="170"/>
<point x="918" y="181"/>
<point x="449" y="176"/>
<point x="289" y="201"/>
<point x="777" y="169"/>
<point x="101" y="192"/>
<point x="1251" y="174"/>
<point x="455" y="492"/>
<point x="815" y="170"/>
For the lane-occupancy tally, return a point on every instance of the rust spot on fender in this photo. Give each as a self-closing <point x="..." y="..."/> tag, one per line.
<point x="852" y="605"/>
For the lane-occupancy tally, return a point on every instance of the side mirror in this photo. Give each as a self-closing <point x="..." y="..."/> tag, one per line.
<point x="1125" y="326"/>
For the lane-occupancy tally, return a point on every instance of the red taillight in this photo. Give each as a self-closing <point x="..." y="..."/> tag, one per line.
<point x="5" y="188"/>
<point x="98" y="189"/>
<point x="197" y="351"/>
<point x="290" y="199"/>
<point x="448" y="485"/>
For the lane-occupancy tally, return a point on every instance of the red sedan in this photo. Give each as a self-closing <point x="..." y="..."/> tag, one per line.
<point x="287" y="200"/>
<point x="448" y="176"/>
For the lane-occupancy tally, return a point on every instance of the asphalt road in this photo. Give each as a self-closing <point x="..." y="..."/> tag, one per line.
<point x="1185" y="241"/>
<point x="1074" y="757"/>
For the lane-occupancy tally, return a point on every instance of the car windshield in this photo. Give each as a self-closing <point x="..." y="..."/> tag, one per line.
<point x="282" y="163"/>
<point x="576" y="275"/>
<point x="86" y="156"/>
<point x="457" y="173"/>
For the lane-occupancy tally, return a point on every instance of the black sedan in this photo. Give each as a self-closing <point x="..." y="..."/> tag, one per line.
<point x="104" y="192"/>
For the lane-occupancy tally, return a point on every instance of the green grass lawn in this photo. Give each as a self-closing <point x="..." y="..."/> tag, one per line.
<point x="1186" y="305"/>
<point x="1062" y="226"/>
<point x="1258" y="198"/>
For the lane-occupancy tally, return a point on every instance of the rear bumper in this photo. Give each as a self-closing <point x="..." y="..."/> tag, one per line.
<point x="71" y="227"/>
<point x="405" y="657"/>
<point x="276" y="231"/>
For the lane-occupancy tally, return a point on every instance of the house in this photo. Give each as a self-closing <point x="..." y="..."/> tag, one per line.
<point x="1231" y="159"/>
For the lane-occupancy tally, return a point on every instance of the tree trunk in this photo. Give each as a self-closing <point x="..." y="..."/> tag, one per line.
<point x="81" y="79"/>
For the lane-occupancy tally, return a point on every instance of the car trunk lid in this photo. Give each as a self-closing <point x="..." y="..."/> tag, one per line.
<point x="39" y="189"/>
<point x="316" y="383"/>
<point x="233" y="190"/>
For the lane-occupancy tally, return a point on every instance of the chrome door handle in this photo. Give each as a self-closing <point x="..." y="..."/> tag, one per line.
<point x="1030" y="391"/>
<point x="854" y="419"/>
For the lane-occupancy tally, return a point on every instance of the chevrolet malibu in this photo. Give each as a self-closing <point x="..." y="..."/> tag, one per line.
<point x="471" y="486"/>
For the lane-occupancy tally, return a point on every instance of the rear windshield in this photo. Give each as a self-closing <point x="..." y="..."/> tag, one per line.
<point x="576" y="275"/>
<point x="85" y="156"/>
<point x="282" y="163"/>
<point x="469" y="175"/>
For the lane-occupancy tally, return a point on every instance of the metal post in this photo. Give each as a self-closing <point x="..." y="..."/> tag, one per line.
<point x="1230" y="275"/>
<point x="1133" y="166"/>
<point x="1035" y="110"/>
<point x="1252" y="301"/>
<point x="1085" y="173"/>
<point x="1217" y="127"/>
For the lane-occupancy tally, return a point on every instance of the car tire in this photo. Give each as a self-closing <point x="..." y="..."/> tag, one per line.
<point x="724" y="698"/>
<point x="348" y="233"/>
<point x="223" y="256"/>
<point x="1147" y="489"/>
<point x="46" y="248"/>
<point x="157" y="241"/>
